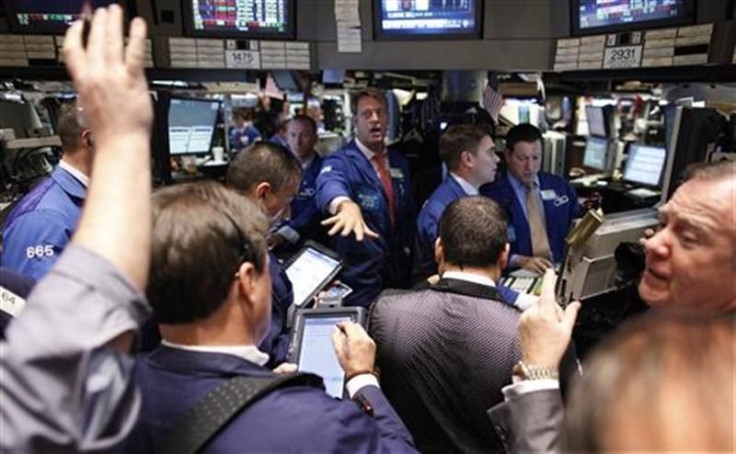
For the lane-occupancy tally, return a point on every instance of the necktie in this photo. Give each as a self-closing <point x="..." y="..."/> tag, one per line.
<point x="379" y="162"/>
<point x="537" y="228"/>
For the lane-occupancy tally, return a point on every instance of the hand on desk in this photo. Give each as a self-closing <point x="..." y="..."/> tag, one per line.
<point x="347" y="220"/>
<point x="535" y="264"/>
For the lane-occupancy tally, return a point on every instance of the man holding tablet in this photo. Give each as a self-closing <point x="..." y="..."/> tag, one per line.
<point x="212" y="322"/>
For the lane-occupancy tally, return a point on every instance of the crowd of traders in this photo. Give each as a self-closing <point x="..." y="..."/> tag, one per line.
<point x="447" y="350"/>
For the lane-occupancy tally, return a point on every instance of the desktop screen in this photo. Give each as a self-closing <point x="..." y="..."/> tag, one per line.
<point x="596" y="152"/>
<point x="47" y="16"/>
<point x="644" y="164"/>
<point x="604" y="15"/>
<point x="596" y="121"/>
<point x="241" y="18"/>
<point x="397" y="19"/>
<point x="192" y="125"/>
<point x="317" y="355"/>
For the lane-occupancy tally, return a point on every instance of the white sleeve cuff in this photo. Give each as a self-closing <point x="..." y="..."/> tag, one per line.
<point x="527" y="386"/>
<point x="524" y="301"/>
<point x="335" y="202"/>
<point x="358" y="382"/>
<point x="291" y="235"/>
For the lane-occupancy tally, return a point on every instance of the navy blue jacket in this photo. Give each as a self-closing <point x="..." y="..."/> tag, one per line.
<point x="291" y="419"/>
<point x="276" y="342"/>
<point x="380" y="263"/>
<point x="305" y="216"/>
<point x="41" y="224"/>
<point x="559" y="212"/>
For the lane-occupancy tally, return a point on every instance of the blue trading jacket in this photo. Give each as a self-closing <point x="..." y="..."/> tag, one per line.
<point x="379" y="263"/>
<point x="305" y="216"/>
<point x="41" y="224"/>
<point x="560" y="208"/>
<point x="291" y="419"/>
<point x="276" y="342"/>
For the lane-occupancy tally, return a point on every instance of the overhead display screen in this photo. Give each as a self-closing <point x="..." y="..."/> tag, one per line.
<point x="420" y="19"/>
<point x="48" y="16"/>
<point x="245" y="19"/>
<point x="598" y="16"/>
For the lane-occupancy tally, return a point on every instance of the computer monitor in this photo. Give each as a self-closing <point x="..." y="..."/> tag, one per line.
<point x="424" y="19"/>
<point x="47" y="16"/>
<point x="644" y="164"/>
<point x="596" y="154"/>
<point x="597" y="121"/>
<point x="244" y="19"/>
<point x="191" y="125"/>
<point x="596" y="16"/>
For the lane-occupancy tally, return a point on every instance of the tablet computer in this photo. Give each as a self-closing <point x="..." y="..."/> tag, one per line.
<point x="310" y="270"/>
<point x="311" y="344"/>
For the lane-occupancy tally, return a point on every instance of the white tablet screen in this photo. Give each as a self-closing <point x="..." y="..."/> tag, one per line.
<point x="317" y="354"/>
<point x="309" y="272"/>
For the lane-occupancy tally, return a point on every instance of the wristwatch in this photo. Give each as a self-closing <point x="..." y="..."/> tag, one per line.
<point x="529" y="372"/>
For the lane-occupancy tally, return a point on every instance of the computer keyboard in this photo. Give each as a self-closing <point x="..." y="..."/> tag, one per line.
<point x="531" y="285"/>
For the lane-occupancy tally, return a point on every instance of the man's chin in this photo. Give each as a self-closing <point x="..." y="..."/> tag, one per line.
<point x="652" y="296"/>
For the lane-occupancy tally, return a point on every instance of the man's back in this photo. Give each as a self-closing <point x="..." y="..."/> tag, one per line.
<point x="290" y="419"/>
<point x="444" y="355"/>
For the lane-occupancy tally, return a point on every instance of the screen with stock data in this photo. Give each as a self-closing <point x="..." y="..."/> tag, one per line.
<point x="241" y="18"/>
<point x="596" y="152"/>
<point x="443" y="18"/>
<point x="49" y="16"/>
<point x="644" y="164"/>
<point x="192" y="125"/>
<point x="605" y="14"/>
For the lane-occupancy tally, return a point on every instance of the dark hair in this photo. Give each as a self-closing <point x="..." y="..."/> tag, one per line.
<point x="202" y="233"/>
<point x="368" y="92"/>
<point x="473" y="231"/>
<point x="68" y="127"/>
<point x="523" y="133"/>
<point x="658" y="366"/>
<point x="263" y="162"/>
<point x="459" y="138"/>
<point x="306" y="119"/>
<point x="246" y="113"/>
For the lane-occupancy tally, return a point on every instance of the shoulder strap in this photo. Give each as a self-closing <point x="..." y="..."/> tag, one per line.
<point x="217" y="408"/>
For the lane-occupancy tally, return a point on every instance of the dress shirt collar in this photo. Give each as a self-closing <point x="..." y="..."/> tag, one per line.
<point x="519" y="186"/>
<point x="76" y="173"/>
<point x="469" y="277"/>
<point x="246" y="352"/>
<point x="366" y="151"/>
<point x="307" y="163"/>
<point x="466" y="186"/>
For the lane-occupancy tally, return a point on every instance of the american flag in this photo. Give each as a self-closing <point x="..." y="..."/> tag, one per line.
<point x="492" y="101"/>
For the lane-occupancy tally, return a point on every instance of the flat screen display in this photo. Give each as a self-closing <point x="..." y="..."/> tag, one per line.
<point x="318" y="355"/>
<point x="644" y="164"/>
<point x="245" y="19"/>
<point x="600" y="16"/>
<point x="47" y="16"/>
<point x="309" y="273"/>
<point x="596" y="152"/>
<point x="192" y="125"/>
<point x="596" y="121"/>
<point x="421" y="19"/>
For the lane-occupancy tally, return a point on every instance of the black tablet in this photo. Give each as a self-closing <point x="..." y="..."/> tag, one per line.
<point x="311" y="344"/>
<point x="310" y="270"/>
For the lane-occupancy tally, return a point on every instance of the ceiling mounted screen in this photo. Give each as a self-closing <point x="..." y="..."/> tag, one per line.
<point x="427" y="19"/>
<point x="603" y="16"/>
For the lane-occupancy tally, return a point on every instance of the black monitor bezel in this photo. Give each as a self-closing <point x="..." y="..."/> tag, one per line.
<point x="288" y="35"/>
<point x="688" y="18"/>
<point x="212" y="139"/>
<point x="379" y="34"/>
<point x="11" y="14"/>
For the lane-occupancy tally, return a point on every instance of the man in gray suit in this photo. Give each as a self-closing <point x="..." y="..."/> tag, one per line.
<point x="445" y="352"/>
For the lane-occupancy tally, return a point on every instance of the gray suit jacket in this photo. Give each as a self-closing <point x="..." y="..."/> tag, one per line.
<point x="529" y="422"/>
<point x="444" y="354"/>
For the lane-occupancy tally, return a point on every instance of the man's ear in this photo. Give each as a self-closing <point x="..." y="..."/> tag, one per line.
<point x="467" y="158"/>
<point x="439" y="251"/>
<point x="262" y="189"/>
<point x="87" y="141"/>
<point x="246" y="283"/>
<point x="503" y="260"/>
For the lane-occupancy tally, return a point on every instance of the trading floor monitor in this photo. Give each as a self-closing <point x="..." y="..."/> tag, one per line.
<point x="645" y="164"/>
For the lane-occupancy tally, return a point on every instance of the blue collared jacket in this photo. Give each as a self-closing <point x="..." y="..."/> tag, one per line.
<point x="276" y="342"/>
<point x="292" y="419"/>
<point x="305" y="216"/>
<point x="380" y="263"/>
<point x="42" y="223"/>
<point x="560" y="208"/>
